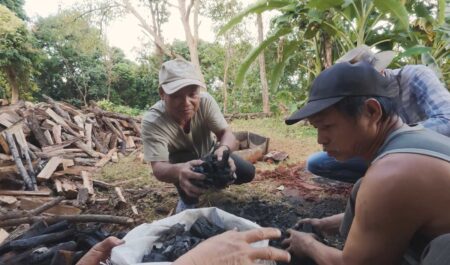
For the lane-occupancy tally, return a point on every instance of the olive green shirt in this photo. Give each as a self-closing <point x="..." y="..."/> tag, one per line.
<point x="165" y="140"/>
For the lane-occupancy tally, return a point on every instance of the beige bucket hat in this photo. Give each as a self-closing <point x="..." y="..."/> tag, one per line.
<point x="378" y="60"/>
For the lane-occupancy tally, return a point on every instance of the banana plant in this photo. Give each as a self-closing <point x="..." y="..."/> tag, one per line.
<point x="322" y="28"/>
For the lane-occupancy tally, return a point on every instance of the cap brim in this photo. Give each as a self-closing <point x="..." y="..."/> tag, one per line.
<point x="311" y="108"/>
<point x="174" y="86"/>
<point x="383" y="59"/>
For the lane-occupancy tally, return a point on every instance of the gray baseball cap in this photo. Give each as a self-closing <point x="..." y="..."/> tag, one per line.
<point x="378" y="60"/>
<point x="178" y="73"/>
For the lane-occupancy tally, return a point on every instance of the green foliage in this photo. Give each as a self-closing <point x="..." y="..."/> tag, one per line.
<point x="17" y="54"/>
<point x="15" y="6"/>
<point x="110" y="106"/>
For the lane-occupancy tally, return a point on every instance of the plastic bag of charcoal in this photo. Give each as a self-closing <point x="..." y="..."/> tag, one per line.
<point x="163" y="241"/>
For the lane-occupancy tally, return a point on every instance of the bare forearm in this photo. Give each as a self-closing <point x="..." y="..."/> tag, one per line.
<point x="331" y="224"/>
<point x="323" y="254"/>
<point x="227" y="138"/>
<point x="166" y="172"/>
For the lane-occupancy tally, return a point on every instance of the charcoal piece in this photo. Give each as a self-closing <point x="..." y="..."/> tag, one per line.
<point x="155" y="256"/>
<point x="217" y="173"/>
<point x="46" y="256"/>
<point x="180" y="246"/>
<point x="203" y="228"/>
<point x="172" y="232"/>
<point x="42" y="239"/>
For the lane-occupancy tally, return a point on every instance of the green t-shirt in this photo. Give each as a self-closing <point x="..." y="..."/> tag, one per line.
<point x="165" y="140"/>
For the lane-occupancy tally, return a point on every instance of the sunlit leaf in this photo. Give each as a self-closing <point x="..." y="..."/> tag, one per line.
<point x="396" y="8"/>
<point x="255" y="52"/>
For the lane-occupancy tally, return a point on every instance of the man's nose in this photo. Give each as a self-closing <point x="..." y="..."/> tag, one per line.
<point x="321" y="138"/>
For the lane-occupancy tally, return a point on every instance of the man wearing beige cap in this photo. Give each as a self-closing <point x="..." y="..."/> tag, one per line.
<point x="184" y="126"/>
<point x="423" y="99"/>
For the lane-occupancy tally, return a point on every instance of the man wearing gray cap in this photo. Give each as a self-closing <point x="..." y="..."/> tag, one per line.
<point x="398" y="210"/>
<point x="183" y="127"/>
<point x="423" y="99"/>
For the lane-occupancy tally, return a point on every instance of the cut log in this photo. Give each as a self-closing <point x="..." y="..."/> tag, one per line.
<point x="114" y="157"/>
<point x="58" y="186"/>
<point x="69" y="188"/>
<point x="3" y="235"/>
<point x="49" y="168"/>
<point x="7" y="199"/>
<point x="130" y="143"/>
<point x="106" y="159"/>
<point x="68" y="163"/>
<point x="41" y="239"/>
<point x="57" y="134"/>
<point x="56" y="107"/>
<point x="134" y="209"/>
<point x="85" y="218"/>
<point x="83" y="196"/>
<point x="6" y="157"/>
<point x="48" y="137"/>
<point x="120" y="196"/>
<point x="58" y="119"/>
<point x="23" y="172"/>
<point x="85" y="161"/>
<point x="80" y="123"/>
<point x="33" y="212"/>
<point x="96" y="183"/>
<point x="36" y="129"/>
<point x="88" y="133"/>
<point x="75" y="170"/>
<point x="87" y="182"/>
<point x="66" y="143"/>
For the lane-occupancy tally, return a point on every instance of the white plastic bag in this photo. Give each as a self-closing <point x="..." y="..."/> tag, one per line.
<point x="139" y="241"/>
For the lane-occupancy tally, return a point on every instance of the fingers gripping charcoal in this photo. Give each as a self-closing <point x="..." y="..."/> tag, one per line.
<point x="218" y="173"/>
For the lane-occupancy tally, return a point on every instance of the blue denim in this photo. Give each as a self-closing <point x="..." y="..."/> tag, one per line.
<point x="321" y="164"/>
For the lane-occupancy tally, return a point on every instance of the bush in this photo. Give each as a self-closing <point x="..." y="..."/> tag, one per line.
<point x="109" y="106"/>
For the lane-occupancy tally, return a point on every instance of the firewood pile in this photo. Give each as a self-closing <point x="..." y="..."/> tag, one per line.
<point x="52" y="149"/>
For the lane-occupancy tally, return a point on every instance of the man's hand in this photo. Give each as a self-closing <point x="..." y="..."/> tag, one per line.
<point x="328" y="225"/>
<point x="100" y="252"/>
<point x="219" y="153"/>
<point x="233" y="248"/>
<point x="186" y="175"/>
<point x="298" y="243"/>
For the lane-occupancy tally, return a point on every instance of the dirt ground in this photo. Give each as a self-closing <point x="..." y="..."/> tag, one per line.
<point x="279" y="195"/>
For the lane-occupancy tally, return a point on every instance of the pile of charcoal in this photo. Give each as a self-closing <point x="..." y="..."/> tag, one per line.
<point x="176" y="241"/>
<point x="60" y="243"/>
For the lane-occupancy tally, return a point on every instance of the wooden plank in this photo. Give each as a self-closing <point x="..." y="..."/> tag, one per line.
<point x="48" y="137"/>
<point x="56" y="130"/>
<point x="60" y="209"/>
<point x="119" y="194"/>
<point x="58" y="119"/>
<point x="75" y="170"/>
<point x="3" y="235"/>
<point x="49" y="168"/>
<point x="70" y="189"/>
<point x="67" y="163"/>
<point x="87" y="182"/>
<point x="5" y="121"/>
<point x="106" y="159"/>
<point x="130" y="143"/>
<point x="88" y="133"/>
<point x="6" y="157"/>
<point x="8" y="199"/>
<point x="58" y="186"/>
<point x="114" y="157"/>
<point x="80" y="123"/>
<point x="25" y="192"/>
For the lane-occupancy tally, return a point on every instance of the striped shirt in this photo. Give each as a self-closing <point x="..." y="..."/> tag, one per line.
<point x="424" y="99"/>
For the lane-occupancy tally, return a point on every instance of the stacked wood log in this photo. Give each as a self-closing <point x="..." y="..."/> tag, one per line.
<point x="52" y="149"/>
<point x="57" y="143"/>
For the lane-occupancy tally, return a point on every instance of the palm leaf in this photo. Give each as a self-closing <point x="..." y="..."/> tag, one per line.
<point x="278" y="70"/>
<point x="255" y="52"/>
<point x="258" y="7"/>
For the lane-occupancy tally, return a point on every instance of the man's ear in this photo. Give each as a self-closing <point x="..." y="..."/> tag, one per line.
<point x="161" y="93"/>
<point x="373" y="110"/>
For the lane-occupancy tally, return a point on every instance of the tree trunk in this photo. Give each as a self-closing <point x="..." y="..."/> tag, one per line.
<point x="262" y="68"/>
<point x="328" y="47"/>
<point x="192" y="40"/>
<point x="14" y="86"/>
<point x="225" y="75"/>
